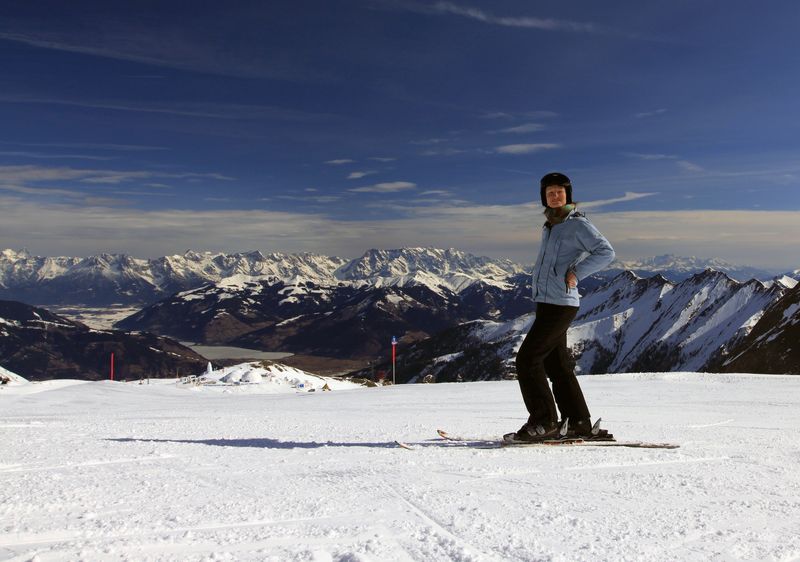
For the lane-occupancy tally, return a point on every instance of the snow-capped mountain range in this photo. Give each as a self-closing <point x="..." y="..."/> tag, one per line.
<point x="307" y="303"/>
<point x="117" y="278"/>
<point x="106" y="279"/>
<point x="345" y="319"/>
<point x="678" y="268"/>
<point x="708" y="322"/>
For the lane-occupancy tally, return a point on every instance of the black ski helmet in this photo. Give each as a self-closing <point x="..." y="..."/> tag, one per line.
<point x="555" y="178"/>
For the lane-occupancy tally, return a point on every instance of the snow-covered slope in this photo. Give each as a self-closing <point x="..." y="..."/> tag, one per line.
<point x="784" y="281"/>
<point x="651" y="324"/>
<point x="773" y="344"/>
<point x="792" y="275"/>
<point x="7" y="377"/>
<point x="266" y="377"/>
<point x="629" y="325"/>
<point x="112" y="471"/>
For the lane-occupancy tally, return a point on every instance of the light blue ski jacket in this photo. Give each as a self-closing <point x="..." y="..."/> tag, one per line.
<point x="573" y="245"/>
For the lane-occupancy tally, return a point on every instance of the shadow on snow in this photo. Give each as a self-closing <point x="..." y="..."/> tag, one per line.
<point x="259" y="443"/>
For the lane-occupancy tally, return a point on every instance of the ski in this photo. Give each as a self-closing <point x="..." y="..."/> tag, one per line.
<point x="575" y="442"/>
<point x="593" y="443"/>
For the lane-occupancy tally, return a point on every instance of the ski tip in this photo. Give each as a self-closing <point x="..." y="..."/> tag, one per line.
<point x="404" y="445"/>
<point x="442" y="433"/>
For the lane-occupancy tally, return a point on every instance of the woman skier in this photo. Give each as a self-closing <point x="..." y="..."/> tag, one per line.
<point x="571" y="249"/>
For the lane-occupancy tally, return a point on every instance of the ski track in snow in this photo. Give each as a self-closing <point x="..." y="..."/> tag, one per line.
<point x="100" y="471"/>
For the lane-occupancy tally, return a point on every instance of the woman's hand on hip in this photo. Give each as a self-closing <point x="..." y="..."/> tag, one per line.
<point x="572" y="280"/>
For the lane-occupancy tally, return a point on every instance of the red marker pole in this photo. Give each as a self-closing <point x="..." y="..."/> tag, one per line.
<point x="394" y="357"/>
<point x="112" y="365"/>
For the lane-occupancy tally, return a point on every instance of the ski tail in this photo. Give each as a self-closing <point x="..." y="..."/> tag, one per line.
<point x="445" y="435"/>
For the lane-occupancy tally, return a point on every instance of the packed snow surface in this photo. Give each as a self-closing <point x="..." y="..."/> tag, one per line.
<point x="275" y="378"/>
<point x="115" y="471"/>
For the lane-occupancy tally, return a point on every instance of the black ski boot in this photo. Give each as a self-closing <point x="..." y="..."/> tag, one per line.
<point x="583" y="429"/>
<point x="537" y="432"/>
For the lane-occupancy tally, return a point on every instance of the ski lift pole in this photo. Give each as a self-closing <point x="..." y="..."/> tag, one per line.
<point x="394" y="357"/>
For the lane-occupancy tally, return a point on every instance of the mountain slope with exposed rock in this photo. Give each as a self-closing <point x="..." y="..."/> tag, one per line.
<point x="773" y="344"/>
<point x="629" y="325"/>
<point x="38" y="345"/>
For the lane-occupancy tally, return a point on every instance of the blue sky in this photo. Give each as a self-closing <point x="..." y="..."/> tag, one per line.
<point x="336" y="126"/>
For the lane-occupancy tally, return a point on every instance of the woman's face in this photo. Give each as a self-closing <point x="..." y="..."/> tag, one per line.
<point x="556" y="196"/>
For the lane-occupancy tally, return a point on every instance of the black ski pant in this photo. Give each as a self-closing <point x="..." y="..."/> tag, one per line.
<point x="542" y="355"/>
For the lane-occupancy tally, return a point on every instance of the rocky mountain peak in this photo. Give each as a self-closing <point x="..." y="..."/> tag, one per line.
<point x="433" y="267"/>
<point x="14" y="255"/>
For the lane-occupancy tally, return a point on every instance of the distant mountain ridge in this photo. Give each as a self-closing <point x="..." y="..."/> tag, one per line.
<point x="679" y="268"/>
<point x="116" y="278"/>
<point x="106" y="279"/>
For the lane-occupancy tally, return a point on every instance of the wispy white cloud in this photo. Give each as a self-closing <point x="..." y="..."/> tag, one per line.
<point x="382" y="158"/>
<point x="186" y="109"/>
<point x="159" y="43"/>
<point x="47" y="156"/>
<point x="386" y="187"/>
<point x="689" y="166"/>
<point x="448" y="151"/>
<point x="642" y="156"/>
<point x="340" y="161"/>
<point x="548" y="24"/>
<point x="431" y="141"/>
<point x="518" y="129"/>
<point x="39" y="191"/>
<point x="646" y="114"/>
<point x="321" y="199"/>
<point x="525" y="148"/>
<point x="139" y="193"/>
<point x="683" y="164"/>
<point x="116" y="177"/>
<point x="24" y="174"/>
<point x="88" y="146"/>
<point x="629" y="196"/>
<point x="506" y="115"/>
<point x="361" y="174"/>
<point x="497" y="115"/>
<point x="497" y="230"/>
<point x="29" y="179"/>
